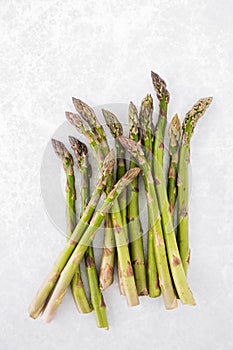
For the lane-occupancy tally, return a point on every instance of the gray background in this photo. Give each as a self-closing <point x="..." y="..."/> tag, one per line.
<point x="103" y="52"/>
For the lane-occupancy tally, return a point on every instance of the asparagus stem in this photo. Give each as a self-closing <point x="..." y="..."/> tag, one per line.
<point x="120" y="280"/>
<point x="188" y="127"/>
<point x="135" y="231"/>
<point x="78" y="253"/>
<point x="97" y="140"/>
<point x="106" y="274"/>
<point x="165" y="282"/>
<point x="147" y="141"/>
<point x="125" y="267"/>
<point x="163" y="96"/>
<point x="174" y="136"/>
<point x="97" y="299"/>
<point x="44" y="291"/>
<point x="116" y="131"/>
<point x="77" y="287"/>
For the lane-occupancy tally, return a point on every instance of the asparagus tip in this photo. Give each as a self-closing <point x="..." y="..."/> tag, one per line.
<point x="76" y="121"/>
<point x="128" y="143"/>
<point x="75" y="101"/>
<point x="195" y="113"/>
<point x="59" y="148"/>
<point x="160" y="87"/>
<point x="79" y="105"/>
<point x="145" y="116"/>
<point x="70" y="117"/>
<point x="132" y="105"/>
<point x="148" y="101"/>
<point x="133" y="114"/>
<point x="78" y="147"/>
<point x="113" y="123"/>
<point x="129" y="176"/>
<point x="174" y="128"/>
<point x="86" y="112"/>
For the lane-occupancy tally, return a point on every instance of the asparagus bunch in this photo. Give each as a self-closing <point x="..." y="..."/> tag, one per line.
<point x="188" y="127"/>
<point x="78" y="291"/>
<point x="135" y="230"/>
<point x="96" y="137"/>
<point x="97" y="300"/>
<point x="79" y="251"/>
<point x="146" y="125"/>
<point x="174" y="136"/>
<point x="50" y="281"/>
<point x="168" y="253"/>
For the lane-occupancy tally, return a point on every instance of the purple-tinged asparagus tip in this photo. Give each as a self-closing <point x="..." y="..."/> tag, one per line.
<point x="113" y="123"/>
<point x="160" y="87"/>
<point x="78" y="147"/>
<point x="86" y="112"/>
<point x="60" y="149"/>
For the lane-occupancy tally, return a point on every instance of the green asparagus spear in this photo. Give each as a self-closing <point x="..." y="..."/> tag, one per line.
<point x="68" y="163"/>
<point x="119" y="216"/>
<point x="126" y="283"/>
<point x="174" y="138"/>
<point x="116" y="130"/>
<point x="135" y="231"/>
<point x="78" y="291"/>
<point x="188" y="127"/>
<point x="78" y="253"/>
<point x="146" y="125"/>
<point x="125" y="267"/>
<point x="47" y="286"/>
<point x="97" y="299"/>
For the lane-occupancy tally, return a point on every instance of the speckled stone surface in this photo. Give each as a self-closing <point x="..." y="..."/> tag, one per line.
<point x="102" y="52"/>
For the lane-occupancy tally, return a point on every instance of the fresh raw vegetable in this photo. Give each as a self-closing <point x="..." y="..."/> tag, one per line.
<point x="174" y="138"/>
<point x="162" y="267"/>
<point x="188" y="127"/>
<point x="163" y="97"/>
<point x="135" y="230"/>
<point x="147" y="130"/>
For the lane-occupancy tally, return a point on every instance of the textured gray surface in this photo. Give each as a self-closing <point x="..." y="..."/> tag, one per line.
<point x="103" y="52"/>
